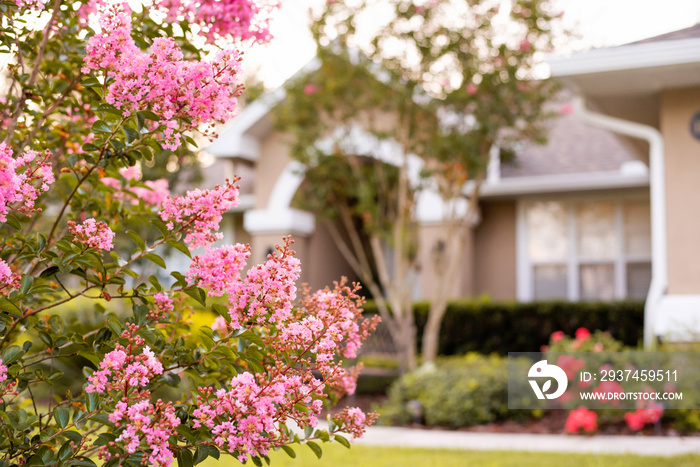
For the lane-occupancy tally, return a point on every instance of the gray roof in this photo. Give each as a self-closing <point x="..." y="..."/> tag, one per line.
<point x="573" y="147"/>
<point x="692" y="32"/>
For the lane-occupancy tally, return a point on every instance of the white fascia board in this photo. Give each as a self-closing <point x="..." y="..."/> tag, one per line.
<point x="627" y="57"/>
<point x="284" y="221"/>
<point x="560" y="183"/>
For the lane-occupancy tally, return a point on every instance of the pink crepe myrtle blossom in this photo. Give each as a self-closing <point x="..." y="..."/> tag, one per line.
<point x="186" y="95"/>
<point x="268" y="290"/>
<point x="241" y="20"/>
<point x="93" y="234"/>
<point x="199" y="212"/>
<point x="163" y="306"/>
<point x="145" y="423"/>
<point x="122" y="369"/>
<point x="219" y="268"/>
<point x="9" y="280"/>
<point x="22" y="180"/>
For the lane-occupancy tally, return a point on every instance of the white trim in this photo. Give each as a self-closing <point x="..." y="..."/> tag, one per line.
<point x="493" y="170"/>
<point x="523" y="276"/>
<point x="286" y="186"/>
<point x="266" y="221"/>
<point x="659" y="252"/>
<point x="627" y="57"/>
<point x="561" y="183"/>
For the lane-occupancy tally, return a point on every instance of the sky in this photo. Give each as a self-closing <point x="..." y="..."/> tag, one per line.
<point x="599" y="23"/>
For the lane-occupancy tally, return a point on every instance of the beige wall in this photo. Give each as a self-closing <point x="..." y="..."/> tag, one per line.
<point x="428" y="236"/>
<point x="682" y="189"/>
<point x="274" y="158"/>
<point x="494" y="251"/>
<point x="325" y="263"/>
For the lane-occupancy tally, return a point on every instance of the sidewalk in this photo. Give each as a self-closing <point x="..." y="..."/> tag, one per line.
<point x="642" y="445"/>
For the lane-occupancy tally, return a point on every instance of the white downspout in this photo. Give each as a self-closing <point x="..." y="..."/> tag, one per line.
<point x="659" y="264"/>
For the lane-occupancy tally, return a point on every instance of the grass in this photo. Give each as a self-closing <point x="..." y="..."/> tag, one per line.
<point x="368" y="456"/>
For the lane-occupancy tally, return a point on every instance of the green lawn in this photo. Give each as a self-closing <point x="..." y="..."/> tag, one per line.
<point x="366" y="456"/>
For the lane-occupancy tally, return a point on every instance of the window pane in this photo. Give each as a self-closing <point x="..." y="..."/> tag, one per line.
<point x="595" y="225"/>
<point x="637" y="228"/>
<point x="550" y="282"/>
<point x="638" y="280"/>
<point x="597" y="281"/>
<point x="547" y="232"/>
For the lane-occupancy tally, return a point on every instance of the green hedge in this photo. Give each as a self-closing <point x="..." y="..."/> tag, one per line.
<point x="502" y="327"/>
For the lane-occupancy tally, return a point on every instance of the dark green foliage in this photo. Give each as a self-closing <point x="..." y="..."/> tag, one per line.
<point x="502" y="327"/>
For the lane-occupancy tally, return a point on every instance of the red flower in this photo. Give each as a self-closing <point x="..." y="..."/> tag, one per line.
<point x="557" y="336"/>
<point x="634" y="421"/>
<point x="471" y="88"/>
<point x="309" y="89"/>
<point x="581" y="418"/>
<point x="582" y="334"/>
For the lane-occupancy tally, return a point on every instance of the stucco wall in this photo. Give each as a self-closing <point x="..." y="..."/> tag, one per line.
<point x="274" y="158"/>
<point x="428" y="236"/>
<point x="682" y="189"/>
<point x="494" y="251"/>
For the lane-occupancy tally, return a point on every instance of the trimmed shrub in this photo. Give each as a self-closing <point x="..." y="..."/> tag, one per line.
<point x="502" y="327"/>
<point x="459" y="392"/>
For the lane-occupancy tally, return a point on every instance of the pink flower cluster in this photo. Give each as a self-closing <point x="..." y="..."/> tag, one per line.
<point x="237" y="19"/>
<point x="268" y="290"/>
<point x="185" y="94"/>
<point x="150" y="192"/>
<point x="246" y="416"/>
<point x="3" y="371"/>
<point x="198" y="213"/>
<point x="218" y="269"/>
<point x="17" y="178"/>
<point x="143" y="421"/>
<point x="581" y="418"/>
<point x="164" y="306"/>
<point x="93" y="234"/>
<point x="8" y="280"/>
<point x="120" y="369"/>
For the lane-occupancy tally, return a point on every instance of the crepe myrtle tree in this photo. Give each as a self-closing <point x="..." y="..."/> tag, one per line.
<point x="93" y="92"/>
<point x="451" y="82"/>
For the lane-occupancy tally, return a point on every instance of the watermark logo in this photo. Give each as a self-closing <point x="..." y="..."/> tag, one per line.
<point x="542" y="370"/>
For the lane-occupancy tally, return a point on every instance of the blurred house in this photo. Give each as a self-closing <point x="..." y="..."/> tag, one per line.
<point x="607" y="210"/>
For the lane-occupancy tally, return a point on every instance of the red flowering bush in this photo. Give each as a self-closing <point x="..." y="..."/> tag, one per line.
<point x="93" y="98"/>
<point x="581" y="419"/>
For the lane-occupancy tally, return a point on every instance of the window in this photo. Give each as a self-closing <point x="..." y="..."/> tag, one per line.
<point x="588" y="250"/>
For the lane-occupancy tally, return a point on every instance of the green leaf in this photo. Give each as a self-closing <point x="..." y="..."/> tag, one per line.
<point x="179" y="246"/>
<point x="26" y="284"/>
<point x="184" y="458"/>
<point x="91" y="402"/>
<point x="90" y="81"/>
<point x="200" y="454"/>
<point x="46" y="338"/>
<point x="62" y="416"/>
<point x="9" y="307"/>
<point x="256" y="460"/>
<point x="197" y="294"/>
<point x="101" y="126"/>
<point x="115" y="326"/>
<point x="73" y="436"/>
<point x="315" y="448"/>
<point x="136" y="238"/>
<point x="149" y="115"/>
<point x="155" y="258"/>
<point x="13" y="222"/>
<point x="48" y="272"/>
<point x="11" y="354"/>
<point x="342" y="441"/>
<point x="253" y="338"/>
<point x="131" y="134"/>
<point x="290" y="452"/>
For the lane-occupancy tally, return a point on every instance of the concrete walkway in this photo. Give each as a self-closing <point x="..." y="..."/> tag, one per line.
<point x="642" y="445"/>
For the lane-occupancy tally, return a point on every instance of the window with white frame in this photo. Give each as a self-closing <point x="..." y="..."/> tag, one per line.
<point x="584" y="250"/>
